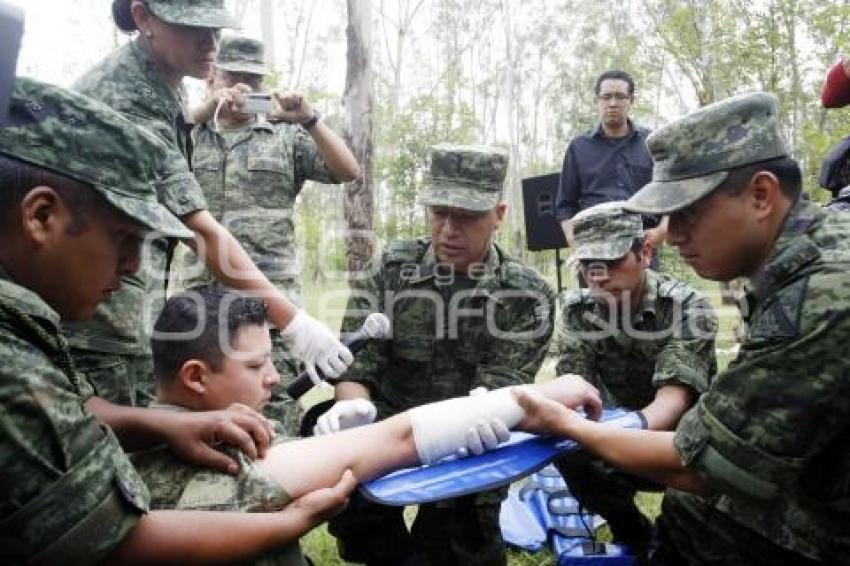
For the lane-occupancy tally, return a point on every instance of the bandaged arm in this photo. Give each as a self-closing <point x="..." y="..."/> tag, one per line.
<point x="422" y="435"/>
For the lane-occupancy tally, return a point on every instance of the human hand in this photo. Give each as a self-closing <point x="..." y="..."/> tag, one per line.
<point x="348" y="413"/>
<point x="292" y="108"/>
<point x="320" y="505"/>
<point x="313" y="343"/>
<point x="194" y="436"/>
<point x="543" y="415"/>
<point x="233" y="98"/>
<point x="483" y="436"/>
<point x="574" y="392"/>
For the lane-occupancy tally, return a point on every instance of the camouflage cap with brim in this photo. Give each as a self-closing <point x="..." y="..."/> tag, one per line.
<point x="83" y="139"/>
<point x="693" y="154"/>
<point x="470" y="177"/>
<point x="195" y="13"/>
<point x="604" y="232"/>
<point x="241" y="55"/>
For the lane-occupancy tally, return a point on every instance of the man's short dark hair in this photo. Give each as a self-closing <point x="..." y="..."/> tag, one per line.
<point x="785" y="169"/>
<point x="616" y="75"/>
<point x="195" y="324"/>
<point x="18" y="178"/>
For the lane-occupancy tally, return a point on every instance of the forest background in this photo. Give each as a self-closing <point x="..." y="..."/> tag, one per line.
<point x="396" y="76"/>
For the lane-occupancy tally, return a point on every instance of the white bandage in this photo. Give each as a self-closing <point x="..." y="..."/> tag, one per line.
<point x="440" y="428"/>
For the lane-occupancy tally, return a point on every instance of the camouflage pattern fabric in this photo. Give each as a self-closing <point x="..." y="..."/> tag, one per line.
<point x="127" y="81"/>
<point x="251" y="176"/>
<point x="435" y="355"/>
<point x="772" y="434"/>
<point x="841" y="201"/>
<point x="669" y="341"/>
<point x="241" y="55"/>
<point x="604" y="232"/>
<point x="70" y="494"/>
<point x="175" y="484"/>
<point x="465" y="176"/>
<point x="195" y="13"/>
<point x="692" y="154"/>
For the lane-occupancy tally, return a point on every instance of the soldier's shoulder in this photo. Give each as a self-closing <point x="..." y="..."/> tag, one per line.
<point x="517" y="275"/>
<point x="676" y="290"/>
<point x="575" y="299"/>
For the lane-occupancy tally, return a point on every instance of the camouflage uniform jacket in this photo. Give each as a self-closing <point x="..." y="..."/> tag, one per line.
<point x="70" y="494"/>
<point x="250" y="176"/>
<point x="128" y="81"/>
<point x="669" y="341"/>
<point x="441" y="346"/>
<point x="175" y="484"/>
<point x="772" y="434"/>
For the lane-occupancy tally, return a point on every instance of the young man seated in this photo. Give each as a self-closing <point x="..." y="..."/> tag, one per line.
<point x="212" y="348"/>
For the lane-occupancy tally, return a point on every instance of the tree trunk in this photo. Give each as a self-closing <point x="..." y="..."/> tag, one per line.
<point x="358" y="103"/>
<point x="267" y="20"/>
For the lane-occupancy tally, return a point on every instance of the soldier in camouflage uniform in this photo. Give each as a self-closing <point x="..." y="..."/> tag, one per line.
<point x="78" y="194"/>
<point x="251" y="170"/>
<point x="643" y="338"/>
<point x="759" y="466"/>
<point x="439" y="293"/>
<point x="142" y="80"/>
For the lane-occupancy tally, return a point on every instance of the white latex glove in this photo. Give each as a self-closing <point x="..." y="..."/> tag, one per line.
<point x="345" y="414"/>
<point x="317" y="347"/>
<point x="485" y="434"/>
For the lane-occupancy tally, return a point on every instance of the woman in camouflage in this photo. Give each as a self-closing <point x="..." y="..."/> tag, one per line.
<point x="143" y="80"/>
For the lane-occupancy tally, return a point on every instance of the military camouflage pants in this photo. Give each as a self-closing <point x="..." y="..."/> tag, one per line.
<point x="457" y="532"/>
<point x="120" y="379"/>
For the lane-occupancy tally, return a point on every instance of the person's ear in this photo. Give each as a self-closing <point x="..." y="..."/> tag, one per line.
<point x="43" y="215"/>
<point x="142" y="17"/>
<point x="646" y="253"/>
<point x="500" y="210"/>
<point x="194" y="376"/>
<point x="764" y="192"/>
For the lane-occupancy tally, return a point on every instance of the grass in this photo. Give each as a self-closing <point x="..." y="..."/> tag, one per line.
<point x="327" y="302"/>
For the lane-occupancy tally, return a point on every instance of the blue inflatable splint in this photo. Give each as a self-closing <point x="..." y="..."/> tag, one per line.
<point x="540" y="510"/>
<point x="521" y="455"/>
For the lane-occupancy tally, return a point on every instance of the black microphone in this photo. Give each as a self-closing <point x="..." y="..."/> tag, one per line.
<point x="376" y="325"/>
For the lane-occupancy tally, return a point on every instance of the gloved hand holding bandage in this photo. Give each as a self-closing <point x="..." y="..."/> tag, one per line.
<point x="440" y="429"/>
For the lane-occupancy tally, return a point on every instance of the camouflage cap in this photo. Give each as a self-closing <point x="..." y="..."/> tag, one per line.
<point x="195" y="13"/>
<point x="693" y="154"/>
<point x="604" y="232"/>
<point x="241" y="55"/>
<point x="81" y="138"/>
<point x="465" y="176"/>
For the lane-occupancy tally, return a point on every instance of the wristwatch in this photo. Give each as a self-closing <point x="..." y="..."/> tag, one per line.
<point x="311" y="123"/>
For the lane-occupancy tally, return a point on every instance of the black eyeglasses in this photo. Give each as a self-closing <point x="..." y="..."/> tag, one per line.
<point x="609" y="96"/>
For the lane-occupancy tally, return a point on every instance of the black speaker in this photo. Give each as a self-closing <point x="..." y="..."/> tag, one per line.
<point x="11" y="30"/>
<point x="542" y="229"/>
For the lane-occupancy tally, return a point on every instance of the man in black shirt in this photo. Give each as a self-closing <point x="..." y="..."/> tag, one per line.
<point x="609" y="162"/>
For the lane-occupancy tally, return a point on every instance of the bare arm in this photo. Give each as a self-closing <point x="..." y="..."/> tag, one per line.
<point x="370" y="450"/>
<point x="670" y="403"/>
<point x="649" y="454"/>
<point x="231" y="265"/>
<point x="219" y="537"/>
<point x="294" y="109"/>
<point x="351" y="390"/>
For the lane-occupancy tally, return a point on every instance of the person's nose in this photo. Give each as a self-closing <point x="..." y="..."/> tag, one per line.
<point x="272" y="377"/>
